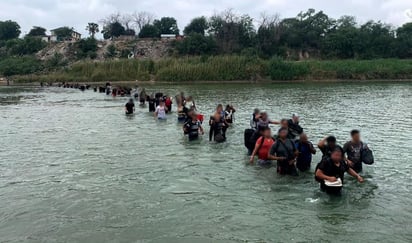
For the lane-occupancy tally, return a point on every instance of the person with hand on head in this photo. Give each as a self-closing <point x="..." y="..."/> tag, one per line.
<point x="295" y="130"/>
<point x="327" y="145"/>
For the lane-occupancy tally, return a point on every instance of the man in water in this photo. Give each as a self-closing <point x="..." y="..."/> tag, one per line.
<point x="284" y="152"/>
<point x="327" y="145"/>
<point x="129" y="107"/>
<point x="353" y="150"/>
<point x="218" y="125"/>
<point x="152" y="103"/>
<point x="193" y="126"/>
<point x="305" y="149"/>
<point x="333" y="167"/>
<point x="262" y="148"/>
<point x="294" y="128"/>
<point x="254" y="119"/>
<point x="160" y="112"/>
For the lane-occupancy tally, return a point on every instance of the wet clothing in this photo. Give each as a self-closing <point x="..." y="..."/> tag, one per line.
<point x="264" y="145"/>
<point x="304" y="158"/>
<point x="353" y="153"/>
<point x="152" y="105"/>
<point x="129" y="108"/>
<point x="168" y="104"/>
<point x="263" y="123"/>
<point x="229" y="117"/>
<point x="192" y="129"/>
<point x="217" y="130"/>
<point x="253" y="122"/>
<point x="330" y="169"/>
<point x="327" y="150"/>
<point x="182" y="114"/>
<point x="161" y="112"/>
<point x="285" y="149"/>
<point x="294" y="129"/>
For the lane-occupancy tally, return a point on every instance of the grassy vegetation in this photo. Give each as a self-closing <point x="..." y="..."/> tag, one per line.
<point x="227" y="68"/>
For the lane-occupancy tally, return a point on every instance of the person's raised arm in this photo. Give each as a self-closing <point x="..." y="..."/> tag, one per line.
<point x="274" y="122"/>
<point x="322" y="142"/>
<point x="356" y="175"/>
<point x="312" y="148"/>
<point x="255" y="150"/>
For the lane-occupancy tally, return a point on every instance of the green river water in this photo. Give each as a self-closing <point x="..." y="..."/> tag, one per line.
<point x="73" y="168"/>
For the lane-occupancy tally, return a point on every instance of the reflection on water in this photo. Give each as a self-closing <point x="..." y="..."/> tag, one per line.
<point x="74" y="168"/>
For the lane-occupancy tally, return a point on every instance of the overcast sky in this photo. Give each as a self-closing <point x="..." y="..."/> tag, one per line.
<point x="77" y="13"/>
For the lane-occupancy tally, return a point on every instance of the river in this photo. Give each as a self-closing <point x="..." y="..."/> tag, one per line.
<point x="73" y="168"/>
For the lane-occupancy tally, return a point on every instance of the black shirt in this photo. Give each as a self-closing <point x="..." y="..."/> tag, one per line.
<point x="327" y="150"/>
<point x="330" y="169"/>
<point x="129" y="107"/>
<point x="192" y="129"/>
<point x="152" y="104"/>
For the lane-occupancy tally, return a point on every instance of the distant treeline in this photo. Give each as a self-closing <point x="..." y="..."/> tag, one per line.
<point x="309" y="35"/>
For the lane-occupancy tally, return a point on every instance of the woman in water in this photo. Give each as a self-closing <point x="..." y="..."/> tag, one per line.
<point x="160" y="112"/>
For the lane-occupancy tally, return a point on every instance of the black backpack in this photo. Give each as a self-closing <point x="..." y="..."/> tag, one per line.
<point x="367" y="155"/>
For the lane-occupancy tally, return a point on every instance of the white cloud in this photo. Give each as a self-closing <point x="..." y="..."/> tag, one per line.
<point x="77" y="13"/>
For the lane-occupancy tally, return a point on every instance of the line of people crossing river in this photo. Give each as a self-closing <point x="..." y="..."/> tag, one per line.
<point x="290" y="147"/>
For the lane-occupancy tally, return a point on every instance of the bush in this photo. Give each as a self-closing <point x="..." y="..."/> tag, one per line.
<point x="19" y="66"/>
<point x="281" y="70"/>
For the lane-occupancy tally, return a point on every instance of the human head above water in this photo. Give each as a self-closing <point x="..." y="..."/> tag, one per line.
<point x="284" y="123"/>
<point x="264" y="115"/>
<point x="283" y="133"/>
<point x="303" y="137"/>
<point x="336" y="155"/>
<point x="355" y="134"/>
<point x="219" y="108"/>
<point x="266" y="132"/>
<point x="331" y="140"/>
<point x="256" y="111"/>
<point x="295" y="117"/>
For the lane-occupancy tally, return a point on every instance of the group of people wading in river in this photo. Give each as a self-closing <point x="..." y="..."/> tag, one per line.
<point x="292" y="151"/>
<point x="290" y="147"/>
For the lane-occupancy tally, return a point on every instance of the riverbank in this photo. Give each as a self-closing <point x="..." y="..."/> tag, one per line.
<point x="226" y="69"/>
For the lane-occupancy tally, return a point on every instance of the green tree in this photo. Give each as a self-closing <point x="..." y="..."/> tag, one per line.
<point x="27" y="46"/>
<point x="63" y="33"/>
<point x="87" y="48"/>
<point x="111" y="51"/>
<point x="19" y="66"/>
<point x="37" y="31"/>
<point x="167" y="25"/>
<point x="232" y="32"/>
<point x="93" y="28"/>
<point x="197" y="25"/>
<point x="196" y="44"/>
<point x="9" y="30"/>
<point x="113" y="30"/>
<point x="403" y="44"/>
<point x="149" y="31"/>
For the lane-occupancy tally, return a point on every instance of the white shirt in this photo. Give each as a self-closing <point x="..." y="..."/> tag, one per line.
<point x="161" y="112"/>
